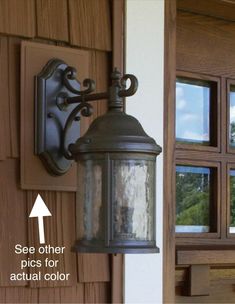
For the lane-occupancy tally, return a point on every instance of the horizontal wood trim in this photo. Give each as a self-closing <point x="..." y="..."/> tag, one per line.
<point x="203" y="156"/>
<point x="202" y="163"/>
<point x="219" y="293"/>
<point x="197" y="76"/>
<point x="216" y="8"/>
<point x="204" y="257"/>
<point x="205" y="242"/>
<point x="196" y="147"/>
<point x="216" y="273"/>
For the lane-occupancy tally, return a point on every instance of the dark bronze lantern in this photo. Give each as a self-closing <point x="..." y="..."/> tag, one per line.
<point x="116" y="168"/>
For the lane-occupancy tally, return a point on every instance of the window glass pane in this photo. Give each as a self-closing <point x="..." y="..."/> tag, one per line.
<point x="193" y="199"/>
<point x="193" y="111"/>
<point x="232" y="201"/>
<point x="232" y="115"/>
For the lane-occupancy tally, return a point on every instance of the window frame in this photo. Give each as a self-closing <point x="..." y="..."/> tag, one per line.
<point x="214" y="115"/>
<point x="204" y="156"/>
<point x="229" y="82"/>
<point x="216" y="200"/>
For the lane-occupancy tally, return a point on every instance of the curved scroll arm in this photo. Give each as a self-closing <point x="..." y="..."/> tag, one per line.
<point x="70" y="73"/>
<point x="86" y="110"/>
<point x="132" y="88"/>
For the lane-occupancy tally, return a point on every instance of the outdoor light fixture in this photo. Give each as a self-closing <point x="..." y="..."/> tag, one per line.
<point x="116" y="160"/>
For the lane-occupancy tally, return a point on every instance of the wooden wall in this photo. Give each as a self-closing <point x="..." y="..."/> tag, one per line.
<point x="73" y="23"/>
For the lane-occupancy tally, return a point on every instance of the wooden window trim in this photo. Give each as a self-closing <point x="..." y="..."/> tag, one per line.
<point x="215" y="8"/>
<point x="205" y="257"/>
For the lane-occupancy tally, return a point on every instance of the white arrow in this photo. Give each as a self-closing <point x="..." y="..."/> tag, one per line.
<point x="40" y="210"/>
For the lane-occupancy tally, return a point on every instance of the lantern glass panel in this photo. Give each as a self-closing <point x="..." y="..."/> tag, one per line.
<point x="133" y="199"/>
<point x="89" y="198"/>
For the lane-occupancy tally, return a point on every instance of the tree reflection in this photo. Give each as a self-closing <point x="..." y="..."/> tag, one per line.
<point x="192" y="196"/>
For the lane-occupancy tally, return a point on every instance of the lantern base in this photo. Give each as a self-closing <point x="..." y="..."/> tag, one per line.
<point x="87" y="247"/>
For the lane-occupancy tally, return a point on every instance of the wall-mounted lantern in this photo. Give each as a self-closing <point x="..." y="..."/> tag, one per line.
<point x="116" y="160"/>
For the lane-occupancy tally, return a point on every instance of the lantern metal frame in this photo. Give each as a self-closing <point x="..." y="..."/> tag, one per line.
<point x="111" y="245"/>
<point x="60" y="103"/>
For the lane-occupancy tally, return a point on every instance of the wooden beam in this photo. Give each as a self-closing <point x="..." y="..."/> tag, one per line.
<point x="118" y="34"/>
<point x="169" y="132"/>
<point x="199" y="280"/>
<point x="205" y="257"/>
<point x="214" y="8"/>
<point x="118" y="60"/>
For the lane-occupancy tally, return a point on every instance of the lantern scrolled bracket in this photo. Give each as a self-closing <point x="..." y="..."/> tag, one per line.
<point x="86" y="110"/>
<point x="59" y="100"/>
<point x="116" y="91"/>
<point x="70" y="74"/>
<point x="132" y="88"/>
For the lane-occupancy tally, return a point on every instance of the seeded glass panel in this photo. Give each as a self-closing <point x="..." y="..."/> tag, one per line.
<point x="232" y="201"/>
<point x="193" y="111"/>
<point x="192" y="199"/>
<point x="232" y="115"/>
<point x="90" y="215"/>
<point x="133" y="204"/>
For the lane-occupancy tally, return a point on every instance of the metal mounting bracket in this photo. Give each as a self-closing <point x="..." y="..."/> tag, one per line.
<point x="51" y="115"/>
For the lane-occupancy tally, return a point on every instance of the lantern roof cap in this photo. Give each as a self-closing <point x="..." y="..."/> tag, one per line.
<point x="115" y="131"/>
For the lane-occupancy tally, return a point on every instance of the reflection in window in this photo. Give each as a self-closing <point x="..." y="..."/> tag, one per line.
<point x="232" y="115"/>
<point x="192" y="199"/>
<point x="192" y="111"/>
<point x="232" y="201"/>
